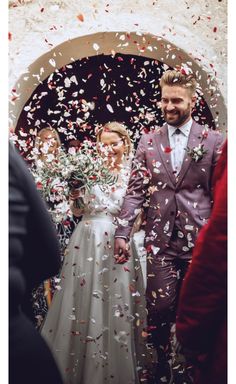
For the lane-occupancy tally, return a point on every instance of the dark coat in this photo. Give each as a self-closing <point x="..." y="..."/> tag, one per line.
<point x="202" y="312"/>
<point x="33" y="257"/>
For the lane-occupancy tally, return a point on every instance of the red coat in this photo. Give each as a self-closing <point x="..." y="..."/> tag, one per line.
<point x="202" y="312"/>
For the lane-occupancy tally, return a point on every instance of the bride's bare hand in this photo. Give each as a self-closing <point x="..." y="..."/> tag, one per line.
<point x="121" y="251"/>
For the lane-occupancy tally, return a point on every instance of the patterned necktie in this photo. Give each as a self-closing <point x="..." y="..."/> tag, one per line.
<point x="178" y="151"/>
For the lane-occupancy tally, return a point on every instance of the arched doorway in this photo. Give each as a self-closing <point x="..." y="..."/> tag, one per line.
<point x="102" y="77"/>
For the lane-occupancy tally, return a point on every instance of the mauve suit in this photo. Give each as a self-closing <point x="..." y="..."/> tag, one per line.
<point x="190" y="195"/>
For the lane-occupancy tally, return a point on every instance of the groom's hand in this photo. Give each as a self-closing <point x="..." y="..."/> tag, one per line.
<point x="121" y="250"/>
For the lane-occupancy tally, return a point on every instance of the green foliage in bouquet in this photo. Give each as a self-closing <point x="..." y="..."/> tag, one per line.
<point x="56" y="176"/>
<point x="89" y="167"/>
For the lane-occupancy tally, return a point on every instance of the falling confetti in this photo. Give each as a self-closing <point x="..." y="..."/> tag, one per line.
<point x="52" y="62"/>
<point x="96" y="47"/>
<point x="80" y="17"/>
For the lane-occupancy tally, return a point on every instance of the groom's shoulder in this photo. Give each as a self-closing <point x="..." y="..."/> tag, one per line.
<point x="209" y="136"/>
<point x="216" y="137"/>
<point x="207" y="132"/>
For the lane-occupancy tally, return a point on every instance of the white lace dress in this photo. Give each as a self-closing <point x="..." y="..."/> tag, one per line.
<point x="91" y="325"/>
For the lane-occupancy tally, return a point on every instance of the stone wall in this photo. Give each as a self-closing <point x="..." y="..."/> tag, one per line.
<point x="197" y="27"/>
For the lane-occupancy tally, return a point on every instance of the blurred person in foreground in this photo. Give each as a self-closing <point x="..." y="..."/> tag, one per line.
<point x="202" y="313"/>
<point x="33" y="256"/>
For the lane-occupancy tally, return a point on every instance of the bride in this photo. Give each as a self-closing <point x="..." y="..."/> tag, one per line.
<point x="92" y="323"/>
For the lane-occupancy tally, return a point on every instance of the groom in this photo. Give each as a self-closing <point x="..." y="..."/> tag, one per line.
<point x="173" y="166"/>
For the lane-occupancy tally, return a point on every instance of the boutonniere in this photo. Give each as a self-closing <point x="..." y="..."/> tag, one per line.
<point x="197" y="153"/>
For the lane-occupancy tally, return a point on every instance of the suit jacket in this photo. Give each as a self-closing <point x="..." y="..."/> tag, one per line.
<point x="33" y="256"/>
<point x="190" y="195"/>
<point x="202" y="312"/>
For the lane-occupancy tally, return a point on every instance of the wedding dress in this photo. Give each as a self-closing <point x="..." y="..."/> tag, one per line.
<point x="91" y="325"/>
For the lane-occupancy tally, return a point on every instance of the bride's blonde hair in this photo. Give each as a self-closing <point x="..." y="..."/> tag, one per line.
<point x="121" y="130"/>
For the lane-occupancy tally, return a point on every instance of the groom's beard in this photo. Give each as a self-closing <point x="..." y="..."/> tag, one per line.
<point x="177" y="118"/>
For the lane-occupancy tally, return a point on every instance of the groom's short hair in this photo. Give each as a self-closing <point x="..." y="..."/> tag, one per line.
<point x="178" y="78"/>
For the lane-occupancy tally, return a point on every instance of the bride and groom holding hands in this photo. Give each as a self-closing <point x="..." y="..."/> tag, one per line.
<point x="96" y="325"/>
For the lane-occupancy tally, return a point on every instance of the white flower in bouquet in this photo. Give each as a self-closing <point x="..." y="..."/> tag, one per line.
<point x="58" y="189"/>
<point x="45" y="148"/>
<point x="39" y="163"/>
<point x="66" y="173"/>
<point x="61" y="212"/>
<point x="89" y="167"/>
<point x="35" y="152"/>
<point x="72" y="151"/>
<point x="79" y="170"/>
<point x="50" y="157"/>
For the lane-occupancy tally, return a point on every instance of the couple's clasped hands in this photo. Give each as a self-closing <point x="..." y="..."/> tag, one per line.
<point x="121" y="250"/>
<point x="121" y="246"/>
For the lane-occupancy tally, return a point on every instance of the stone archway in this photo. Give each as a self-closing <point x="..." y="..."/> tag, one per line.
<point x="113" y="44"/>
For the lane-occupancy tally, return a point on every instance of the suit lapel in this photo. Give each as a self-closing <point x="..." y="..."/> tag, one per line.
<point x="194" y="139"/>
<point x="162" y="142"/>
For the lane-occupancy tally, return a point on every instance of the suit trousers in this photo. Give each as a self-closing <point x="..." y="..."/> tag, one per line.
<point x="165" y="273"/>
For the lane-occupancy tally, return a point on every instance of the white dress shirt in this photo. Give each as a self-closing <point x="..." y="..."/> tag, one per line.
<point x="178" y="143"/>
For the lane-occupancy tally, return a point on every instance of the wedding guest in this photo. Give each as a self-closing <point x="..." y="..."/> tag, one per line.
<point x="90" y="325"/>
<point x="174" y="164"/>
<point x="33" y="256"/>
<point x="202" y="312"/>
<point x="47" y="149"/>
<point x="47" y="143"/>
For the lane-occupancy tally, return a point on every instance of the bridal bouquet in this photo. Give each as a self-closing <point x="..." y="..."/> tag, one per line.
<point x="79" y="170"/>
<point x="88" y="167"/>
<point x="53" y="186"/>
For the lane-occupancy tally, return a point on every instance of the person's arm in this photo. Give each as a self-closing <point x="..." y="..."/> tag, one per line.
<point x="133" y="201"/>
<point x="122" y="246"/>
<point x="136" y="191"/>
<point x="218" y="147"/>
